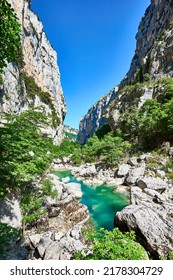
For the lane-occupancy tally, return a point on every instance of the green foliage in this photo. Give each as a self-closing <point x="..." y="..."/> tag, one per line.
<point x="9" y="34"/>
<point x="24" y="151"/>
<point x="1" y="79"/>
<point x="138" y="77"/>
<point x="8" y="236"/>
<point x="167" y="84"/>
<point x="170" y="255"/>
<point x="47" y="189"/>
<point x="109" y="149"/>
<point x="55" y="120"/>
<point x="31" y="207"/>
<point x="67" y="148"/>
<point x="33" y="200"/>
<point x="151" y="125"/>
<point x="100" y="133"/>
<point x="112" y="245"/>
<point x="71" y="136"/>
<point x="33" y="90"/>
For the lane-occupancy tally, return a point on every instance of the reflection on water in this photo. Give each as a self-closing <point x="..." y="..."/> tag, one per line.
<point x="102" y="201"/>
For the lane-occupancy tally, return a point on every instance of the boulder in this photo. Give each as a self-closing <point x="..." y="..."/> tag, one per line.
<point x="74" y="189"/>
<point x="153" y="183"/>
<point x="43" y="244"/>
<point x="88" y="171"/>
<point x="135" y="174"/>
<point x="54" y="251"/>
<point x="154" y="232"/>
<point x="35" y="239"/>
<point x="133" y="161"/>
<point x="160" y="173"/>
<point x="10" y="212"/>
<point x="123" y="170"/>
<point x="58" y="236"/>
<point x="66" y="179"/>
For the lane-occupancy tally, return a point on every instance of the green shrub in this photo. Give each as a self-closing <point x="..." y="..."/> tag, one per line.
<point x="9" y="35"/>
<point x="111" y="245"/>
<point x="170" y="255"/>
<point x="55" y="120"/>
<point x="23" y="148"/>
<point x="8" y="236"/>
<point x="1" y="80"/>
<point x="109" y="149"/>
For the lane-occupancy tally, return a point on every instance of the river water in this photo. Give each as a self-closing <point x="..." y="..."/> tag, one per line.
<point x="102" y="201"/>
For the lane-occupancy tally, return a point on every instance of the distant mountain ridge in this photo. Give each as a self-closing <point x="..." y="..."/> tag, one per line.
<point x="70" y="133"/>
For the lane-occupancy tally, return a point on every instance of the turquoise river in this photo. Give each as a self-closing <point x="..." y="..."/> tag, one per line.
<point x="102" y="201"/>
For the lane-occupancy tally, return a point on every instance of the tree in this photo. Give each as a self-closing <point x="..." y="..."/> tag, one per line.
<point x="25" y="152"/>
<point x="9" y="34"/>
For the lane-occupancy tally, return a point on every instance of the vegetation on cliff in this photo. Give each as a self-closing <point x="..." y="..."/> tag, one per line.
<point x="9" y="35"/>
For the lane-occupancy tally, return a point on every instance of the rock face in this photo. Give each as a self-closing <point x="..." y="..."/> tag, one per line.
<point x="154" y="42"/>
<point x="150" y="212"/>
<point x="38" y="60"/>
<point x="57" y="234"/>
<point x="10" y="211"/>
<point x="95" y="118"/>
<point x="152" y="59"/>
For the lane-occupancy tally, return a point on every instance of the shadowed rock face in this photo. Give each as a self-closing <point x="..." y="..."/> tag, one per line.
<point x="39" y="62"/>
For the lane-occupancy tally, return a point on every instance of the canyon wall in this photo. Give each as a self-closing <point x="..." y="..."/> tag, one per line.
<point x="153" y="59"/>
<point x="36" y="69"/>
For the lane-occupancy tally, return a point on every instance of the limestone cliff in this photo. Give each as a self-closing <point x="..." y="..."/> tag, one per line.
<point x="152" y="60"/>
<point x="95" y="117"/>
<point x="154" y="42"/>
<point x="35" y="69"/>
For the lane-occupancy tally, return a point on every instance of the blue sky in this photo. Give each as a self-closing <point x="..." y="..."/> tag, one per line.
<point x="95" y="42"/>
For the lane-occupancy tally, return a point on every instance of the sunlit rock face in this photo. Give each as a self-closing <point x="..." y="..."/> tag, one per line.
<point x="153" y="59"/>
<point x="39" y="61"/>
<point x="96" y="117"/>
<point x="154" y="42"/>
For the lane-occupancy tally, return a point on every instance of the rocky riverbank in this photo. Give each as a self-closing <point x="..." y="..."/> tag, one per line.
<point x="58" y="233"/>
<point x="148" y="179"/>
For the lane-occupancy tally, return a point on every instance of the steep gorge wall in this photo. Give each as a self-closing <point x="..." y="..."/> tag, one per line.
<point x="95" y="117"/>
<point x="153" y="59"/>
<point x="150" y="40"/>
<point x="39" y="61"/>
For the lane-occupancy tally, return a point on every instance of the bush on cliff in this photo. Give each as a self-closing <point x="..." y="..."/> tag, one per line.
<point x="9" y="34"/>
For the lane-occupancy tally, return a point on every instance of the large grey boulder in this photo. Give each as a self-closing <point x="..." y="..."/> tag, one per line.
<point x="43" y="244"/>
<point x="134" y="174"/>
<point x="153" y="183"/>
<point x="74" y="189"/>
<point x="88" y="171"/>
<point x="150" y="216"/>
<point x="55" y="251"/>
<point x="133" y="161"/>
<point x="154" y="233"/>
<point x="123" y="170"/>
